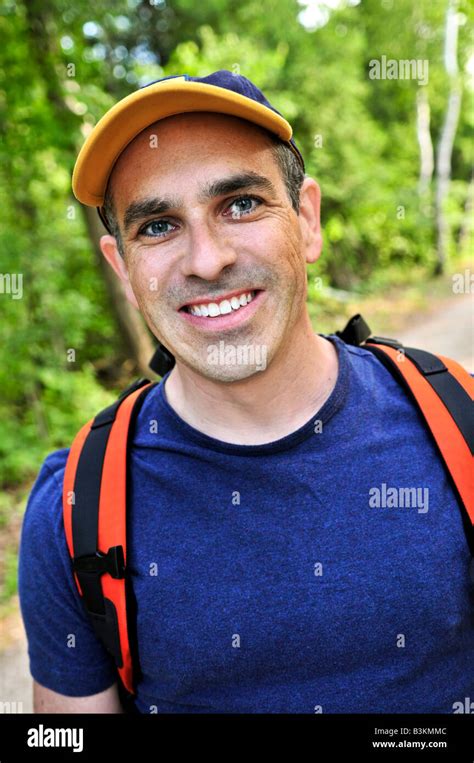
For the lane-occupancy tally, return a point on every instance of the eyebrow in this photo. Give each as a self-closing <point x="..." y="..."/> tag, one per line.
<point x="143" y="208"/>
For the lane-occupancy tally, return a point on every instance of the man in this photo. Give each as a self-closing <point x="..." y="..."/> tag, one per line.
<point x="267" y="579"/>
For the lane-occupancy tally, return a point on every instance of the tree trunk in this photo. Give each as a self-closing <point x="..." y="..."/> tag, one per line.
<point x="445" y="146"/>
<point x="424" y="141"/>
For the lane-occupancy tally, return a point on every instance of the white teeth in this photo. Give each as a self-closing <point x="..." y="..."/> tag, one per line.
<point x="225" y="307"/>
<point x="213" y="309"/>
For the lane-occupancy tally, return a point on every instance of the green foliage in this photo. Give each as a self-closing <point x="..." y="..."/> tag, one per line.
<point x="54" y="408"/>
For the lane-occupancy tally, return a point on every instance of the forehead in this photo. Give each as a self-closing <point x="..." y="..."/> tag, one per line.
<point x="183" y="147"/>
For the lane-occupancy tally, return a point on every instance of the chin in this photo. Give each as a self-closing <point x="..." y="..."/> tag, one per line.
<point x="232" y="374"/>
<point x="225" y="373"/>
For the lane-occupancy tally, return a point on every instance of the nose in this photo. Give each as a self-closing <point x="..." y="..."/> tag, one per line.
<point x="209" y="252"/>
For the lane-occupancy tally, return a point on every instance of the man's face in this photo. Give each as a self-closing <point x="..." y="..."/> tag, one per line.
<point x="205" y="219"/>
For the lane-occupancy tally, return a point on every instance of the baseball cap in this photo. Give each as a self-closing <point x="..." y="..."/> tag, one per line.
<point x="222" y="91"/>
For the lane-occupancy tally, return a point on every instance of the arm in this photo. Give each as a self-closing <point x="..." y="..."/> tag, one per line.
<point x="47" y="701"/>
<point x="72" y="668"/>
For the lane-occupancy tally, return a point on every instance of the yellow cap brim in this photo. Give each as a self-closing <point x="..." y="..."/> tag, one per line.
<point x="127" y="118"/>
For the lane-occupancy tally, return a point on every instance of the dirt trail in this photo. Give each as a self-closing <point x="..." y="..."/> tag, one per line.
<point x="449" y="331"/>
<point x="15" y="679"/>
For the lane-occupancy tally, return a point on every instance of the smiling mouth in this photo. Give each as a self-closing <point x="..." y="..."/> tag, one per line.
<point x="222" y="319"/>
<point x="226" y="306"/>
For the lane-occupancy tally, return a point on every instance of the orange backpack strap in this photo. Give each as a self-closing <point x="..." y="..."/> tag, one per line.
<point x="95" y="523"/>
<point x="443" y="391"/>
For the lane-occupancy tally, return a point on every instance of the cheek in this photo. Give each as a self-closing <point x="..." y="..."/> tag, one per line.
<point x="289" y="265"/>
<point x="281" y="240"/>
<point x="146" y="278"/>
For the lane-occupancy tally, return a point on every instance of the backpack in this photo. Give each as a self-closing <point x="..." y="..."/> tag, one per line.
<point x="95" y="482"/>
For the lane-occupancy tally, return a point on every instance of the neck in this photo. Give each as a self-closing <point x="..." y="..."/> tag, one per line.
<point x="266" y="406"/>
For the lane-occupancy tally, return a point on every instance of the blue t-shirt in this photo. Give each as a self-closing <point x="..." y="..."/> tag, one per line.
<point x="326" y="571"/>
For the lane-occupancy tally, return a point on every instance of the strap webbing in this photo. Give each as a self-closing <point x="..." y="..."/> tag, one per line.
<point x="455" y="397"/>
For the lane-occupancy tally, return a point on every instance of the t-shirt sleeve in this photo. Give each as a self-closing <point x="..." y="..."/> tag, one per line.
<point x="65" y="654"/>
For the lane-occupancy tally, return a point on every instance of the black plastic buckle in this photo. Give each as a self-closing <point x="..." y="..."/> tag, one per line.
<point x="112" y="562"/>
<point x="355" y="331"/>
<point x="162" y="361"/>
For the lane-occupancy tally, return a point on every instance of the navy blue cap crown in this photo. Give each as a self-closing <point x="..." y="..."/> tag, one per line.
<point x="238" y="84"/>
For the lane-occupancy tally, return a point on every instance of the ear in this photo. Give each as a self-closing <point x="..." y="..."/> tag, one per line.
<point x="108" y="245"/>
<point x="309" y="219"/>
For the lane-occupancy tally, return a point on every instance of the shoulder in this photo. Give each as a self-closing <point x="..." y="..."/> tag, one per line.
<point x="51" y="474"/>
<point x="43" y="515"/>
<point x="53" y="466"/>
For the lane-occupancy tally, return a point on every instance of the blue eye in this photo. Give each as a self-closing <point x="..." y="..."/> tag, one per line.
<point x="154" y="229"/>
<point x="243" y="210"/>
